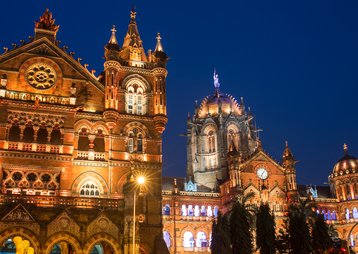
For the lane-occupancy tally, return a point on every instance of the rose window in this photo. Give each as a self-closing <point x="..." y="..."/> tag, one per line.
<point x="40" y="76"/>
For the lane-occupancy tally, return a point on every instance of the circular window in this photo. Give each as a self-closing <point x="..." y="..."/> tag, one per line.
<point x="40" y="76"/>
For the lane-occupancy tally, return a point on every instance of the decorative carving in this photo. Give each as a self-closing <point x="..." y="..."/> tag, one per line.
<point x="47" y="22"/>
<point x="19" y="213"/>
<point x="40" y="76"/>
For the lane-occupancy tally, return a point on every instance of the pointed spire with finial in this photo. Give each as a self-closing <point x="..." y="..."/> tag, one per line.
<point x="345" y="148"/>
<point x="113" y="39"/>
<point x="287" y="156"/>
<point x="216" y="81"/>
<point x="132" y="37"/>
<point x="159" y="46"/>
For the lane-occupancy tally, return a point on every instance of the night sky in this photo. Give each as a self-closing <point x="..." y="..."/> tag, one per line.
<point x="294" y="62"/>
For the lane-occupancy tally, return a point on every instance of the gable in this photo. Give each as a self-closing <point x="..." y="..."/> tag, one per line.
<point x="261" y="159"/>
<point x="42" y="68"/>
<point x="102" y="224"/>
<point x="19" y="214"/>
<point x="63" y="222"/>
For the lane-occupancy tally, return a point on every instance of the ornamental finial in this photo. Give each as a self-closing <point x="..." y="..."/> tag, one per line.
<point x="345" y="148"/>
<point x="216" y="80"/>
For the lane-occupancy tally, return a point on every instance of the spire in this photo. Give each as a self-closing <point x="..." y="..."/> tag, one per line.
<point x="159" y="47"/>
<point x="287" y="154"/>
<point x="47" y="22"/>
<point x="345" y="148"/>
<point x="113" y="39"/>
<point x="132" y="37"/>
<point x="216" y="80"/>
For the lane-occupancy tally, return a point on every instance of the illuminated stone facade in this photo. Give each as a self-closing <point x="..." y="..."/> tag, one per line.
<point x="226" y="160"/>
<point x="72" y="144"/>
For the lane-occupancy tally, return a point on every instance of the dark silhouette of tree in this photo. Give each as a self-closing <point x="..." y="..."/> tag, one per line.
<point x="299" y="236"/>
<point x="283" y="240"/>
<point x="241" y="226"/>
<point x="265" y="230"/>
<point x="321" y="240"/>
<point x="220" y="238"/>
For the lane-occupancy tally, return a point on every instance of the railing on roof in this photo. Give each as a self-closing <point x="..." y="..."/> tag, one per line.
<point x="53" y="201"/>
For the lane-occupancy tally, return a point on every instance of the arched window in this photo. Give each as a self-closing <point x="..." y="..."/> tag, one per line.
<point x="166" y="237"/>
<point x="347" y="214"/>
<point x="190" y="210"/>
<point x="324" y="214"/>
<point x="203" y="211"/>
<point x="210" y="211"/>
<point x="28" y="134"/>
<point x="135" y="99"/>
<point x="42" y="135"/>
<point x="201" y="240"/>
<point x="329" y="215"/>
<point x="166" y="209"/>
<point x="83" y="141"/>
<point x="184" y="210"/>
<point x="211" y="142"/>
<point x="216" y="211"/>
<point x="14" y="133"/>
<point x="135" y="141"/>
<point x="355" y="213"/>
<point x="188" y="241"/>
<point x="334" y="215"/>
<point x="56" y="137"/>
<point x="99" y="141"/>
<point x="196" y="211"/>
<point x="89" y="189"/>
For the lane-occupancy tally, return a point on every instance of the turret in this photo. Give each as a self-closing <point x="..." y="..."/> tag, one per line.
<point x="289" y="162"/>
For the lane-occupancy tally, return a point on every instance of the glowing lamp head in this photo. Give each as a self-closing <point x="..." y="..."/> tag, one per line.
<point x="141" y="180"/>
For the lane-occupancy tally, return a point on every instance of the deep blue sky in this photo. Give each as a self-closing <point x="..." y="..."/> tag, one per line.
<point x="294" y="62"/>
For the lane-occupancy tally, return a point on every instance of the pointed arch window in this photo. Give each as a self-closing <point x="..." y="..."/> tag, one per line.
<point x="211" y="142"/>
<point x="89" y="189"/>
<point x="135" y="141"/>
<point x="135" y="99"/>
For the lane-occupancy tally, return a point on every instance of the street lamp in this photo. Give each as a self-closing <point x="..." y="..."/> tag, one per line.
<point x="140" y="181"/>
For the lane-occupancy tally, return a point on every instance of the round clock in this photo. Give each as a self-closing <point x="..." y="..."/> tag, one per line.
<point x="40" y="76"/>
<point x="262" y="173"/>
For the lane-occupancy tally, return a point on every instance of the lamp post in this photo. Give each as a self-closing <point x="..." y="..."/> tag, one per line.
<point x="140" y="181"/>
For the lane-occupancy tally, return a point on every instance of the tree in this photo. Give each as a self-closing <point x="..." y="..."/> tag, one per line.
<point x="321" y="240"/>
<point x="299" y="236"/>
<point x="283" y="240"/>
<point x="220" y="239"/>
<point x="240" y="230"/>
<point x="265" y="230"/>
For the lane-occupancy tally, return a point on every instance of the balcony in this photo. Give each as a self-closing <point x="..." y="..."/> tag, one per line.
<point x="33" y="147"/>
<point x="91" y="155"/>
<point x="53" y="201"/>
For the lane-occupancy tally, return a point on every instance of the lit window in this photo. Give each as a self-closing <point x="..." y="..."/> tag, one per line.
<point x="166" y="237"/>
<point x="201" y="240"/>
<point x="89" y="189"/>
<point x="188" y="241"/>
<point x="135" y="100"/>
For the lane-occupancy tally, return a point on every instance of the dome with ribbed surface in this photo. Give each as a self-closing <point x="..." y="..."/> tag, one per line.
<point x="347" y="164"/>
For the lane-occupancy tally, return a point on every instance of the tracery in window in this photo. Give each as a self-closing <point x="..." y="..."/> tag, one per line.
<point x="135" y="141"/>
<point x="211" y="142"/>
<point x="89" y="189"/>
<point x="135" y="99"/>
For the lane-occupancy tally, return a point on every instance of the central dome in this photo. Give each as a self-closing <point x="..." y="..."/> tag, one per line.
<point x="347" y="164"/>
<point x="219" y="103"/>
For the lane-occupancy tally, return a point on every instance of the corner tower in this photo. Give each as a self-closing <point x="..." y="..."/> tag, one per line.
<point x="219" y="122"/>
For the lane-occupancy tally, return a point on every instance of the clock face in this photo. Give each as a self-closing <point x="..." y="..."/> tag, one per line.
<point x="41" y="76"/>
<point x="262" y="173"/>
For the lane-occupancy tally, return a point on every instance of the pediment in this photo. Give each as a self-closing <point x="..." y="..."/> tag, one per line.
<point x="43" y="50"/>
<point x="63" y="222"/>
<point x="18" y="214"/>
<point x="102" y="224"/>
<point x="261" y="156"/>
<point x="46" y="49"/>
<point x="277" y="190"/>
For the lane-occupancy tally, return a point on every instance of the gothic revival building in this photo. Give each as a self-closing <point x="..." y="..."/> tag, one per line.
<point x="72" y="145"/>
<point x="226" y="161"/>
